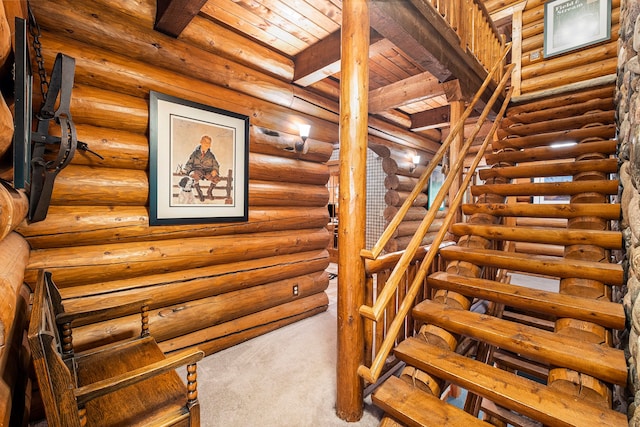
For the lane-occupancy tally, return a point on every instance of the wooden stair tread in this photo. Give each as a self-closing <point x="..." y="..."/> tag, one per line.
<point x="561" y="110"/>
<point x="507" y="416"/>
<point x="548" y="138"/>
<point x="548" y="188"/>
<point x="527" y="319"/>
<point x="604" y="313"/>
<point x="609" y="165"/>
<point x="389" y="422"/>
<point x="539" y="249"/>
<point x="415" y="407"/>
<point x="562" y="210"/>
<point x="550" y="235"/>
<point x="562" y="124"/>
<point x="539" y="264"/>
<point x="549" y="153"/>
<point x="517" y="393"/>
<point x="542" y="222"/>
<point x="514" y="362"/>
<point x="599" y="361"/>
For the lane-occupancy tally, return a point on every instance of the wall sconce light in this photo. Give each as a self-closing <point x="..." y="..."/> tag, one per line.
<point x="416" y="161"/>
<point x="304" y="134"/>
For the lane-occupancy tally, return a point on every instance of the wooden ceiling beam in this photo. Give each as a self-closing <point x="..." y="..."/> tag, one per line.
<point x="172" y="16"/>
<point x="419" y="31"/>
<point x="322" y="59"/>
<point x="440" y="118"/>
<point x="431" y="119"/>
<point x="403" y="25"/>
<point x="413" y="89"/>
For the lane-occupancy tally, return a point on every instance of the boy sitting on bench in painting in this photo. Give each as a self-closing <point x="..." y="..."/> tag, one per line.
<point x="202" y="164"/>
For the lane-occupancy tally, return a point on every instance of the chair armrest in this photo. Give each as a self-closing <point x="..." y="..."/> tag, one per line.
<point x="101" y="388"/>
<point x="104" y="313"/>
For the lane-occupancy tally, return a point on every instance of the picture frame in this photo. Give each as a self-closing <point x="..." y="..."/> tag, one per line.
<point x="574" y="24"/>
<point x="189" y="182"/>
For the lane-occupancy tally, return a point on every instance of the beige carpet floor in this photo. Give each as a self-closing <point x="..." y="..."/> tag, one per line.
<point x="286" y="378"/>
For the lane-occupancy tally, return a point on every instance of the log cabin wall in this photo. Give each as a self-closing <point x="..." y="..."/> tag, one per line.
<point x="212" y="285"/>
<point x="628" y="120"/>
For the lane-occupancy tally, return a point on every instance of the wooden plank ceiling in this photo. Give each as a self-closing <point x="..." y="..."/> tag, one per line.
<point x="406" y="81"/>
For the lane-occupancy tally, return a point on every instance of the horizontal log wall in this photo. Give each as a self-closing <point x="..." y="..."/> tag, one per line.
<point x="401" y="177"/>
<point x="14" y="253"/>
<point x="213" y="284"/>
<point x="539" y="74"/>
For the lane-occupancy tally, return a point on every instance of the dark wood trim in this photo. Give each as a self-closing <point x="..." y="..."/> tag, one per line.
<point x="172" y="16"/>
<point x="321" y="59"/>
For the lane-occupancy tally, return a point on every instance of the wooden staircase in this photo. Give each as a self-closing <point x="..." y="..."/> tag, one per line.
<point x="527" y="356"/>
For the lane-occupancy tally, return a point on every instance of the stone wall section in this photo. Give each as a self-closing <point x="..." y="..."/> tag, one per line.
<point x="628" y="117"/>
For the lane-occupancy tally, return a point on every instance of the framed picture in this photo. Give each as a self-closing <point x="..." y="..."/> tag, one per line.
<point x="199" y="159"/>
<point x="573" y="24"/>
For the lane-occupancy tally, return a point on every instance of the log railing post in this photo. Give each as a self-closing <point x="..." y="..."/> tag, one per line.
<point x="457" y="110"/>
<point x="516" y="55"/>
<point x="458" y="19"/>
<point x="354" y="91"/>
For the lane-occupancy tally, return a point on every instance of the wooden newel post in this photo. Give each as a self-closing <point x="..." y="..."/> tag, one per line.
<point x="354" y="90"/>
<point x="457" y="109"/>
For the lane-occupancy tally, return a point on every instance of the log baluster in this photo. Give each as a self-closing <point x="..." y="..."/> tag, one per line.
<point x="67" y="339"/>
<point x="82" y="415"/>
<point x="192" y="384"/>
<point x="144" y="314"/>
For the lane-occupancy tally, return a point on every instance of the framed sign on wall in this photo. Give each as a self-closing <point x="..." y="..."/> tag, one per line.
<point x="574" y="24"/>
<point x="198" y="162"/>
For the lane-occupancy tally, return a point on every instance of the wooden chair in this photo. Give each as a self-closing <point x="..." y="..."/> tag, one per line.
<point x="127" y="383"/>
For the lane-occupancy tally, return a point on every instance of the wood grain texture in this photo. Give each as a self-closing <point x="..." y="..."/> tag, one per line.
<point x="597" y="360"/>
<point x="548" y="266"/>
<point x="604" y="313"/>
<point x="414" y="407"/>
<point x="515" y="392"/>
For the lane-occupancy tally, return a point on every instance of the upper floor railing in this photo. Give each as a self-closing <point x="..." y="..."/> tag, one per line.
<point x="477" y="33"/>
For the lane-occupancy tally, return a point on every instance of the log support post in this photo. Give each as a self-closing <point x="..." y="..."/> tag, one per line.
<point x="457" y="109"/>
<point x="354" y="91"/>
<point x="516" y="49"/>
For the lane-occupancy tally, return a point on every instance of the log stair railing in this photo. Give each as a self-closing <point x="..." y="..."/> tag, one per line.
<point x="376" y="311"/>
<point x="550" y="358"/>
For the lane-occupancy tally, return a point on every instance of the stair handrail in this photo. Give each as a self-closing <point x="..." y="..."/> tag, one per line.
<point x="372" y="373"/>
<point x="375" y="311"/>
<point x="386" y="235"/>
